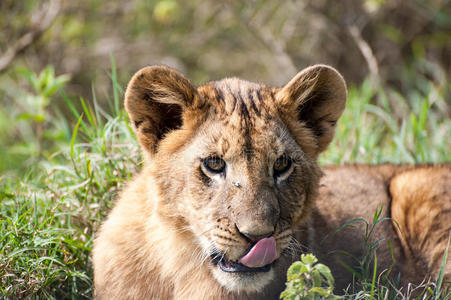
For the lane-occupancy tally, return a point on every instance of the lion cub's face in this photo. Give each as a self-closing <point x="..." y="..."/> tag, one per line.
<point x="246" y="179"/>
<point x="235" y="162"/>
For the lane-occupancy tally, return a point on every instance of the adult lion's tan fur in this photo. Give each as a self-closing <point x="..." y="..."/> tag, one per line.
<point x="178" y="218"/>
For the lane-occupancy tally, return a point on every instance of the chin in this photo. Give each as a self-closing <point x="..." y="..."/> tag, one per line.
<point x="243" y="282"/>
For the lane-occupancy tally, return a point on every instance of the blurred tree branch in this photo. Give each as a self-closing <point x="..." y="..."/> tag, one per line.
<point x="43" y="20"/>
<point x="404" y="43"/>
<point x="255" y="24"/>
<point x="368" y="54"/>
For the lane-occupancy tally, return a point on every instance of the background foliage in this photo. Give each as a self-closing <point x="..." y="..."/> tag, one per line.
<point x="65" y="145"/>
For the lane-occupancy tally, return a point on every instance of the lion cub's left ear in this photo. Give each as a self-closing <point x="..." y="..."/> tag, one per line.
<point x="316" y="96"/>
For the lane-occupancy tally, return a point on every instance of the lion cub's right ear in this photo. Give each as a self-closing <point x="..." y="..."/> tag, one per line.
<point x="155" y="100"/>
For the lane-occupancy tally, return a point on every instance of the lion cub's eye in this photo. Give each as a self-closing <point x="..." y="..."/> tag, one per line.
<point x="281" y="165"/>
<point x="214" y="164"/>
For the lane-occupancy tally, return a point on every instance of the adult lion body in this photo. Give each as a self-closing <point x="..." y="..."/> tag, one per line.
<point x="231" y="182"/>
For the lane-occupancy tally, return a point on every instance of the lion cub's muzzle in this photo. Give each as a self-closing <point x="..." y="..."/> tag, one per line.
<point x="258" y="259"/>
<point x="237" y="248"/>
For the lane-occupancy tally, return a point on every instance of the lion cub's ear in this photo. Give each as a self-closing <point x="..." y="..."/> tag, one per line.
<point x="317" y="97"/>
<point x="155" y="100"/>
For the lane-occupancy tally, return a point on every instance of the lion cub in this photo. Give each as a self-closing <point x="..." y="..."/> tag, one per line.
<point x="231" y="193"/>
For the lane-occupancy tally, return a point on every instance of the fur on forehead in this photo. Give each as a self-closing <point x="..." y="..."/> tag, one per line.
<point x="234" y="96"/>
<point x="222" y="137"/>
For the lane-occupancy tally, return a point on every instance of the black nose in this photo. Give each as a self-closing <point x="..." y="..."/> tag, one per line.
<point x="256" y="238"/>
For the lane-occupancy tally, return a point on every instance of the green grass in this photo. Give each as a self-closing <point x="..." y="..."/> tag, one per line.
<point x="50" y="211"/>
<point x="49" y="214"/>
<point x="410" y="129"/>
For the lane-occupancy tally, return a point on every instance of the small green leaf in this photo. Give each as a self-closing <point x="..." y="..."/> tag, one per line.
<point x="325" y="271"/>
<point x="309" y="259"/>
<point x="320" y="291"/>
<point x="317" y="278"/>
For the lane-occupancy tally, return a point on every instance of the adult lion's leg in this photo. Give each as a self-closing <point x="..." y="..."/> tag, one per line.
<point x="421" y="211"/>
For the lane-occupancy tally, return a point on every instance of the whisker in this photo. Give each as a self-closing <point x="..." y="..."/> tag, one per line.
<point x="205" y="257"/>
<point x="295" y="248"/>
<point x="206" y="231"/>
<point x="223" y="253"/>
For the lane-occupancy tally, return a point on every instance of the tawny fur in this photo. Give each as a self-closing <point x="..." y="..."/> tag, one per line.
<point x="157" y="241"/>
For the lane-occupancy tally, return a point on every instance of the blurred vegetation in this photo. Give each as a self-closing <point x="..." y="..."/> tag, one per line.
<point x="403" y="47"/>
<point x="66" y="148"/>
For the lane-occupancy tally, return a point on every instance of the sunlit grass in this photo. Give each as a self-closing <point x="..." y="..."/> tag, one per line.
<point x="49" y="216"/>
<point x="369" y="133"/>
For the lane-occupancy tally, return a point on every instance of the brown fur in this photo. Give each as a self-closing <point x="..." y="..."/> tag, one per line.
<point x="158" y="239"/>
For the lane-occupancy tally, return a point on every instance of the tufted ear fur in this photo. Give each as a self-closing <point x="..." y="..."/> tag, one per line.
<point x="155" y="100"/>
<point x="316" y="96"/>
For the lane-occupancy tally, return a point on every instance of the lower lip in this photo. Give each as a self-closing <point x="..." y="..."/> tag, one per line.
<point x="232" y="267"/>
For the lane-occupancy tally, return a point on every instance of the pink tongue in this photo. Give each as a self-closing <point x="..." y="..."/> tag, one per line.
<point x="263" y="253"/>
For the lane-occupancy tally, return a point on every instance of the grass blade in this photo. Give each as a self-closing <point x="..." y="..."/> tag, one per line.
<point x="441" y="274"/>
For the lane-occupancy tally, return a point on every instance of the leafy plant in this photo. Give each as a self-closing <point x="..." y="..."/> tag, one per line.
<point x="44" y="85"/>
<point x="33" y="127"/>
<point x="309" y="280"/>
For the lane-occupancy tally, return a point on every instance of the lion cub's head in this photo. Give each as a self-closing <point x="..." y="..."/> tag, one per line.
<point x="235" y="161"/>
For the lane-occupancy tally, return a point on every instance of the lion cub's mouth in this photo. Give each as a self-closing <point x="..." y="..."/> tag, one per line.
<point x="258" y="259"/>
<point x="232" y="266"/>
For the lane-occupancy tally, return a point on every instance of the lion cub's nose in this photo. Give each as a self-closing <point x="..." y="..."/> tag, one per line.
<point x="255" y="238"/>
<point x="256" y="234"/>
